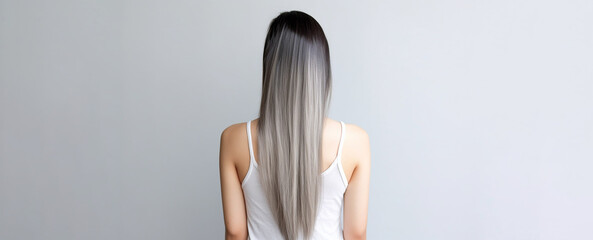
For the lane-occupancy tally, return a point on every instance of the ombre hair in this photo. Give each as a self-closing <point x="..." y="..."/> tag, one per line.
<point x="295" y="99"/>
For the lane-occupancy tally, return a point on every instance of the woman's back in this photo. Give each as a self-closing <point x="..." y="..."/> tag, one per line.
<point x="292" y="143"/>
<point x="332" y="133"/>
<point x="260" y="220"/>
<point x="345" y="172"/>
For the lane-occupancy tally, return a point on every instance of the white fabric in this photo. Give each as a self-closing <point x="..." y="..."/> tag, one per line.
<point x="328" y="225"/>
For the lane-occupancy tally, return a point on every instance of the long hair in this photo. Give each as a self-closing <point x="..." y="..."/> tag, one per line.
<point x="295" y="99"/>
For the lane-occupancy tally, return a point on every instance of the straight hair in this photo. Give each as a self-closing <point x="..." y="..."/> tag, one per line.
<point x="296" y="92"/>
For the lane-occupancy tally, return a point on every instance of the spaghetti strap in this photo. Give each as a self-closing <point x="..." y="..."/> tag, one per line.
<point x="341" y="139"/>
<point x="251" y="155"/>
<point x="252" y="163"/>
<point x="339" y="158"/>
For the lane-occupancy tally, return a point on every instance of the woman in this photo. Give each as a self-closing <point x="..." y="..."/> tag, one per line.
<point x="290" y="173"/>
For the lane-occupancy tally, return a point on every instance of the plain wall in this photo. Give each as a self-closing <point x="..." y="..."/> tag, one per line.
<point x="480" y="114"/>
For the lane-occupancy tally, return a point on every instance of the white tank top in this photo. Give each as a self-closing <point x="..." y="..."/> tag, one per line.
<point x="328" y="224"/>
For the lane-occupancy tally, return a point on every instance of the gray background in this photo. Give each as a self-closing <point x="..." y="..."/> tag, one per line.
<point x="480" y="114"/>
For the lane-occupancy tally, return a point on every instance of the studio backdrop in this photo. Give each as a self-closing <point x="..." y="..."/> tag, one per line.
<point x="479" y="114"/>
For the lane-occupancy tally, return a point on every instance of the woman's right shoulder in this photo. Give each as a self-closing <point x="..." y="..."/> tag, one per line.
<point x="357" y="144"/>
<point x="357" y="131"/>
<point x="357" y="135"/>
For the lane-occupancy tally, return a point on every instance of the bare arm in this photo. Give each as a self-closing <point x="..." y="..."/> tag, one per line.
<point x="356" y="197"/>
<point x="233" y="204"/>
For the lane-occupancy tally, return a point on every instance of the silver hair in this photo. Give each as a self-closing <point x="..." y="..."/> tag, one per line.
<point x="296" y="92"/>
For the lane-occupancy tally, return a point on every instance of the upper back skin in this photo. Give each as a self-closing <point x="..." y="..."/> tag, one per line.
<point x="351" y="151"/>
<point x="356" y="163"/>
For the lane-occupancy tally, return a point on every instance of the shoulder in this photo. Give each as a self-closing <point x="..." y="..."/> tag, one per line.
<point x="357" y="133"/>
<point x="357" y="143"/>
<point x="232" y="140"/>
<point x="233" y="131"/>
<point x="357" y="136"/>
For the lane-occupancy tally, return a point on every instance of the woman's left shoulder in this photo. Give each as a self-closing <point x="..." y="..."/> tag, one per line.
<point x="233" y="130"/>
<point x="233" y="138"/>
